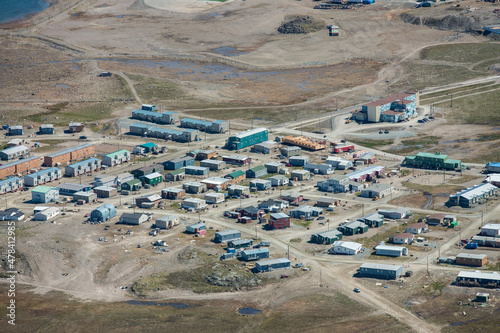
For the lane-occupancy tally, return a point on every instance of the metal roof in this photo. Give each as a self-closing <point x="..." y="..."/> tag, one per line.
<point x="255" y="251"/>
<point x="365" y="171"/>
<point x="475" y="191"/>
<point x="84" y="162"/>
<point x="72" y="186"/>
<point x="13" y="150"/>
<point x="196" y="225"/>
<point x="215" y="180"/>
<point x="85" y="194"/>
<point x="241" y="241"/>
<point x="43" y="189"/>
<point x="153" y="175"/>
<point x="494" y="226"/>
<point x="42" y="172"/>
<point x="196" y="121"/>
<point x="348" y="245"/>
<point x="434" y="156"/>
<point x="494" y="164"/>
<point x="148" y="145"/>
<point x="167" y="218"/>
<point x="172" y="189"/>
<point x="117" y="153"/>
<point x="104" y="188"/>
<point x="385" y="267"/>
<point x="8" y="165"/>
<point x="250" y="132"/>
<point x="389" y="247"/>
<point x="272" y="261"/>
<point x="209" y="161"/>
<point x="471" y="256"/>
<point x="479" y="275"/>
<point x="68" y="150"/>
<point x="278" y="215"/>
<point x="227" y="232"/>
<point x="329" y="233"/>
<point x="140" y="125"/>
<point x="10" y="180"/>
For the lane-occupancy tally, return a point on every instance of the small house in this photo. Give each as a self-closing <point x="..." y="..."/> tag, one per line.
<point x="148" y="201"/>
<point x="341" y="247"/>
<point x="373" y="220"/>
<point x="46" y="129"/>
<point x="381" y="271"/>
<point x="260" y="184"/>
<point x="278" y="180"/>
<point x="353" y="228"/>
<point x="326" y="237"/>
<point x="391" y="251"/>
<point x="194" y="187"/>
<point x="403" y="238"/>
<point x="300" y="175"/>
<point x="167" y="221"/>
<point x="471" y="259"/>
<point x="274" y="167"/>
<point x="46" y="214"/>
<point x="305" y="212"/>
<point x="239" y="243"/>
<point x="84" y="197"/>
<point x="213" y="165"/>
<point x="417" y="228"/>
<point x="154" y="179"/>
<point x="298" y="160"/>
<point x="435" y="219"/>
<point x="132" y="185"/>
<point x="214" y="198"/>
<point x="196" y="170"/>
<point x="271" y="264"/>
<point x="238" y="190"/>
<point x="175" y="175"/>
<point x="171" y="193"/>
<point x="194" y="203"/>
<point x="195" y="228"/>
<point x="236" y="176"/>
<point x="256" y="172"/>
<point x="255" y="254"/>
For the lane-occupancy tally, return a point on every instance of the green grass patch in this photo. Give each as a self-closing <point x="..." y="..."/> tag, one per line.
<point x="79" y="112"/>
<point x="150" y="89"/>
<point x="478" y="109"/>
<point x="296" y="240"/>
<point x="382" y="235"/>
<point x="461" y="53"/>
<point x="303" y="223"/>
<point x="443" y="93"/>
<point x="420" y="76"/>
<point x="463" y="179"/>
<point x="433" y="190"/>
<point x="372" y="143"/>
<point x="201" y="279"/>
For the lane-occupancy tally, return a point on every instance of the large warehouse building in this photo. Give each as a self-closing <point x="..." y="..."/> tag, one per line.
<point x="394" y="108"/>
<point x="431" y="161"/>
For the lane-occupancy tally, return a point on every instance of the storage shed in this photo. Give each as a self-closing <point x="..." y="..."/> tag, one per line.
<point x="134" y="218"/>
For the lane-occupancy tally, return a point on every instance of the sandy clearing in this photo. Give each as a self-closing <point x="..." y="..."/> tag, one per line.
<point x="183" y="6"/>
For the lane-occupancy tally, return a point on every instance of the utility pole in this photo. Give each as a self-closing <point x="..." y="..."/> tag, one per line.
<point x="320" y="278"/>
<point x="288" y="251"/>
<point x="328" y="226"/>
<point x="482" y="219"/>
<point x="256" y="232"/>
<point x="444" y="175"/>
<point x="451" y="99"/>
<point x="336" y="104"/>
<point x="428" y="266"/>
<point x="363" y="208"/>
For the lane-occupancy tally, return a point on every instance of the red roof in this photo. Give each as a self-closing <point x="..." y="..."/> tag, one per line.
<point x="389" y="99"/>
<point x="418" y="225"/>
<point x="404" y="235"/>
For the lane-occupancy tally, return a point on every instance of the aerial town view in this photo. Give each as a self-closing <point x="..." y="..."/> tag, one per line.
<point x="250" y="166"/>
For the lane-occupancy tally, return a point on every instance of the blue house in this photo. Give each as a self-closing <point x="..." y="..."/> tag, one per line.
<point x="103" y="213"/>
<point x="255" y="254"/>
<point x="178" y="163"/>
<point x="196" y="170"/>
<point x="381" y="271"/>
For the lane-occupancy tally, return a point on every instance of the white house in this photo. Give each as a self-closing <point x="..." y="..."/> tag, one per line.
<point x="134" y="218"/>
<point x="403" y="238"/>
<point x="341" y="247"/>
<point x="491" y="229"/>
<point x="417" y="228"/>
<point x="46" y="214"/>
<point x="194" y="203"/>
<point x="214" y="198"/>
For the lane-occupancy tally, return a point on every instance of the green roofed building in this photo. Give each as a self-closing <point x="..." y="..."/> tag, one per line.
<point x="132" y="185"/>
<point x="149" y="146"/>
<point x="431" y="161"/>
<point x="44" y="194"/>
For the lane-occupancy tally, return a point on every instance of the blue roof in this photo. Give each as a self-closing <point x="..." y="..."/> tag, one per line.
<point x="494" y="164"/>
<point x="256" y="251"/>
<point x="149" y="145"/>
<point x="140" y="125"/>
<point x="41" y="172"/>
<point x="148" y="113"/>
<point x="189" y="130"/>
<point x="84" y="162"/>
<point x="196" y="121"/>
<point x="169" y="113"/>
<point x="9" y="180"/>
<point x="164" y="130"/>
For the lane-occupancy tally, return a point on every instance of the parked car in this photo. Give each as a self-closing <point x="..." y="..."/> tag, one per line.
<point x="83" y="137"/>
<point x="320" y="218"/>
<point x="381" y="132"/>
<point x="356" y="290"/>
<point x="284" y="276"/>
<point x="297" y="265"/>
<point x="386" y="131"/>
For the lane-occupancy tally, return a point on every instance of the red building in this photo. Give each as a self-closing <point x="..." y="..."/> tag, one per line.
<point x="252" y="212"/>
<point x="237" y="159"/>
<point x="278" y="221"/>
